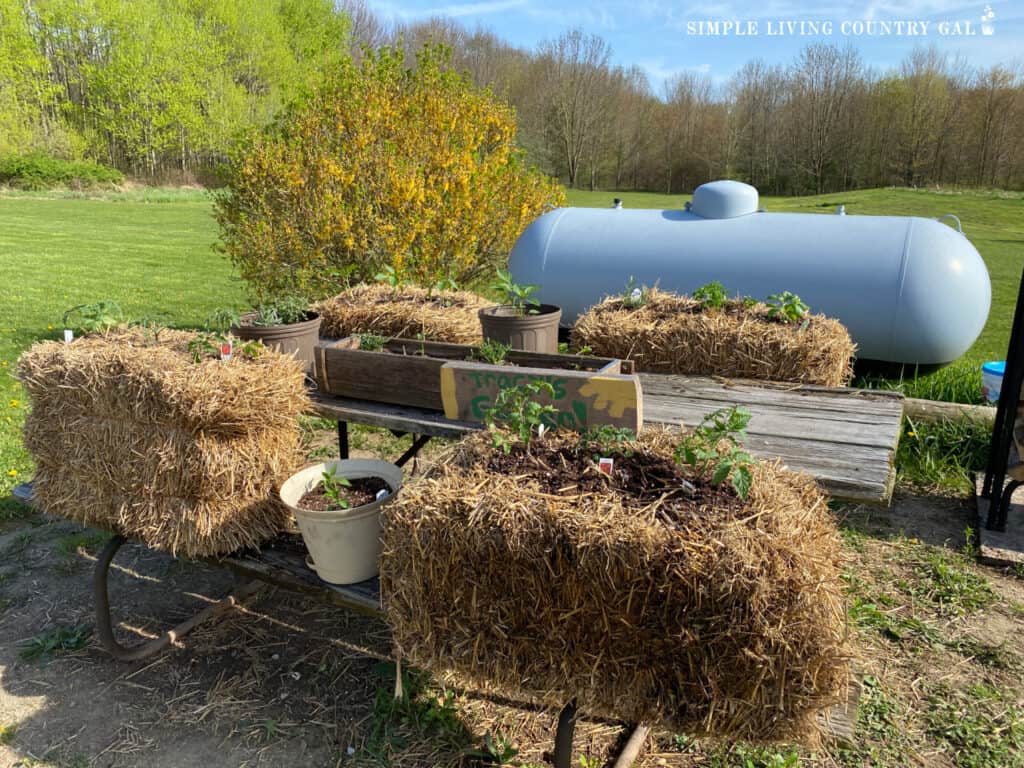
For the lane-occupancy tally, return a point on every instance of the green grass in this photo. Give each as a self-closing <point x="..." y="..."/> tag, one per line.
<point x="150" y="250"/>
<point x="940" y="457"/>
<point x="982" y="727"/>
<point x="57" y="251"/>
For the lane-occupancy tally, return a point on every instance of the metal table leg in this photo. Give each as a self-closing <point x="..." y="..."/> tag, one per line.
<point x="564" y="736"/>
<point x="105" y="627"/>
<point x="342" y="439"/>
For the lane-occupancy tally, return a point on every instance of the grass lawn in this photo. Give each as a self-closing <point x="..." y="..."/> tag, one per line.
<point x="151" y="251"/>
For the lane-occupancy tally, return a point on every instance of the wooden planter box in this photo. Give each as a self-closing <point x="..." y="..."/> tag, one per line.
<point x="444" y="377"/>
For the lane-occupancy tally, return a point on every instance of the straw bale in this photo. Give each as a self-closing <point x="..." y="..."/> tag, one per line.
<point x="729" y="623"/>
<point x="450" y="316"/>
<point x="190" y="527"/>
<point x="133" y="436"/>
<point x="121" y="375"/>
<point x="669" y="334"/>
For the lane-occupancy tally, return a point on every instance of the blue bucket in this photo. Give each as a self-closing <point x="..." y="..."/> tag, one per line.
<point x="992" y="379"/>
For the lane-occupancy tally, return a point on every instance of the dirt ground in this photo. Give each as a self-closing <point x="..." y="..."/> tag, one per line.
<point x="286" y="680"/>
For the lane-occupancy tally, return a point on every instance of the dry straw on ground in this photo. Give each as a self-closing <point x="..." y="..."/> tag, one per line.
<point x="405" y="312"/>
<point x="669" y="334"/>
<point x="133" y="436"/>
<point x="728" y="623"/>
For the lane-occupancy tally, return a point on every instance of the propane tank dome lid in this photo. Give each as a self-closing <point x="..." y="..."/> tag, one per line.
<point x="724" y="200"/>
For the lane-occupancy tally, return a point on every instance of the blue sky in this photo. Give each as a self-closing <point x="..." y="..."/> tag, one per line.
<point x="664" y="36"/>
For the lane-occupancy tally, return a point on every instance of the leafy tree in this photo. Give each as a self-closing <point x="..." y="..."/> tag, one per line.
<point x="382" y="166"/>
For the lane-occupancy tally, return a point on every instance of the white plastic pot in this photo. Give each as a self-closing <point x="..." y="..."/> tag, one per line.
<point x="344" y="544"/>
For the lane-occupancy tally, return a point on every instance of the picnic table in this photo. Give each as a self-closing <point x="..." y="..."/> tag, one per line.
<point x="844" y="438"/>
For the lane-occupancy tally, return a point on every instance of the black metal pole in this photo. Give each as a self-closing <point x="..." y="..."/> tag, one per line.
<point x="564" y="736"/>
<point x="342" y="439"/>
<point x="1006" y="414"/>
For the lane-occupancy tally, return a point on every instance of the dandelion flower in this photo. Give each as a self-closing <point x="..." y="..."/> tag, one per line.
<point x="12" y="473"/>
<point x="15" y="403"/>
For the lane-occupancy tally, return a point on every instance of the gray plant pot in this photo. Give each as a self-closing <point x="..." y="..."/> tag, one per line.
<point x="531" y="332"/>
<point x="297" y="339"/>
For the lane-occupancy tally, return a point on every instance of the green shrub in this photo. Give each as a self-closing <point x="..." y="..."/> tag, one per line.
<point x="383" y="166"/>
<point x="37" y="171"/>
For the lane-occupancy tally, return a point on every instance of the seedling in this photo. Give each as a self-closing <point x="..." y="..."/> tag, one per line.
<point x="497" y="750"/>
<point x="493" y="352"/>
<point x="634" y="296"/>
<point x="786" y="307"/>
<point x="223" y="320"/>
<point x="602" y="440"/>
<point x="517" y="409"/>
<point x="151" y="328"/>
<point x="212" y="344"/>
<point x="94" y="318"/>
<point x="334" y="486"/>
<point x="282" y="311"/>
<point x="711" y="296"/>
<point x="713" y="449"/>
<point x="61" y="639"/>
<point x="391" y="276"/>
<point x="371" y="342"/>
<point x="517" y="296"/>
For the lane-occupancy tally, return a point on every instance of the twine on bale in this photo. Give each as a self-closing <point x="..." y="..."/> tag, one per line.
<point x="132" y="436"/>
<point x="404" y="312"/>
<point x="728" y="622"/>
<point x="670" y="334"/>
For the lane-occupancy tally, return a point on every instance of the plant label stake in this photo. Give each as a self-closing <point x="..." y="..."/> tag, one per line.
<point x="225" y="349"/>
<point x="69" y="335"/>
<point x="606" y="465"/>
<point x="383" y="493"/>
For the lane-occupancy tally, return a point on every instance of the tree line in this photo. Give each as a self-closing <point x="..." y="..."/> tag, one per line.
<point x="162" y="89"/>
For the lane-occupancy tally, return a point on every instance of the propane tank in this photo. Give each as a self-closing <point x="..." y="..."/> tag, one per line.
<point x="908" y="289"/>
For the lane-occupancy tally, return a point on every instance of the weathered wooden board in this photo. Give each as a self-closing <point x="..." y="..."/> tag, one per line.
<point x="581" y="398"/>
<point x="409" y="372"/>
<point x="845" y="438"/>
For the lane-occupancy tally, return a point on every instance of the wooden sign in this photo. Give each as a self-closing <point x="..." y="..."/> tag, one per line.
<point x="582" y="399"/>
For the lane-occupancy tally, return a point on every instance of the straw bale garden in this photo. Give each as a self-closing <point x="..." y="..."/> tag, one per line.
<point x="666" y="577"/>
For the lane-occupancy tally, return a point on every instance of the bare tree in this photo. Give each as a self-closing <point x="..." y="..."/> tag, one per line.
<point x="575" y="81"/>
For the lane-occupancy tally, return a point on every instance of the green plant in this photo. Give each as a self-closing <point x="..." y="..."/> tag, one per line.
<point x="983" y="727"/>
<point x="604" y="439"/>
<point x="424" y="176"/>
<point x="517" y="296"/>
<point x="517" y="410"/>
<point x="211" y="344"/>
<point x="7" y="733"/>
<point x="713" y="449"/>
<point x="634" y="296"/>
<point x="941" y="456"/>
<point x="392" y="276"/>
<point x="711" y="295"/>
<point x="222" y="320"/>
<point x="61" y="639"/>
<point x="786" y="307"/>
<point x="945" y="580"/>
<point x="94" y="318"/>
<point x="37" y="171"/>
<point x="372" y="342"/>
<point x="493" y="352"/>
<point x="334" y="486"/>
<point x="497" y="749"/>
<point x="283" y="310"/>
<point x="151" y="328"/>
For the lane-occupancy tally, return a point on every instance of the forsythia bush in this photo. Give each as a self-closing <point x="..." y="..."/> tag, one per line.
<point x="415" y="168"/>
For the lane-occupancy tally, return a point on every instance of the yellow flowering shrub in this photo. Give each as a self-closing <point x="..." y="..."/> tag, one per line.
<point x="383" y="165"/>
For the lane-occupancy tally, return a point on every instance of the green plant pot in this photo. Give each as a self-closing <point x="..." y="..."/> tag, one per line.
<point x="296" y="339"/>
<point x="532" y="332"/>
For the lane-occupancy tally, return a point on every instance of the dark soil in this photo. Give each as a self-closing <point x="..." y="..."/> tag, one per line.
<point x="638" y="479"/>
<point x="361" y="491"/>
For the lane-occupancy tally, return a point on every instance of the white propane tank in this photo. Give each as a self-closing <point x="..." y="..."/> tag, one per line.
<point x="909" y="289"/>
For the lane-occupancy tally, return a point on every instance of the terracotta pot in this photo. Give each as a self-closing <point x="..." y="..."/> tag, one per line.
<point x="297" y="339"/>
<point x="344" y="544"/>
<point x="531" y="332"/>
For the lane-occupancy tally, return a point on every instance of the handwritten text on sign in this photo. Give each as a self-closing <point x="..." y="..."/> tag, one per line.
<point x="581" y="398"/>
